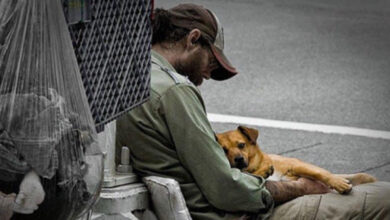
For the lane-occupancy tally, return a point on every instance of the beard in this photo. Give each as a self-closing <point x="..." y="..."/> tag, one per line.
<point x="191" y="68"/>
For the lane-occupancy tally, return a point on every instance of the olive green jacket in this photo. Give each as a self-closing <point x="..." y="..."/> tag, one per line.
<point x="170" y="136"/>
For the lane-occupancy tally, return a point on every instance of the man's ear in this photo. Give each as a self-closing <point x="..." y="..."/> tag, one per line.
<point x="192" y="38"/>
<point x="250" y="133"/>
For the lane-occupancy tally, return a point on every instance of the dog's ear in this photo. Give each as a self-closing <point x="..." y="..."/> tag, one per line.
<point x="250" y="133"/>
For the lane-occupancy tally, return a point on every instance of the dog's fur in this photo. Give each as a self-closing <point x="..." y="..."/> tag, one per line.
<point x="243" y="152"/>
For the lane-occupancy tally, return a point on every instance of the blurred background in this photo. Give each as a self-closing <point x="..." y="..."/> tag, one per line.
<point x="308" y="61"/>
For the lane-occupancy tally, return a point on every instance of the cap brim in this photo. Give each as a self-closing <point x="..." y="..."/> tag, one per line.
<point x="226" y="70"/>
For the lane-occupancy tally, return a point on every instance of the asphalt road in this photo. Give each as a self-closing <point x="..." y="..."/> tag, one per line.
<point x="320" y="62"/>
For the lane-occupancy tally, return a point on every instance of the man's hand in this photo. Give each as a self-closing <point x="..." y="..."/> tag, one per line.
<point x="30" y="194"/>
<point x="284" y="191"/>
<point x="6" y="204"/>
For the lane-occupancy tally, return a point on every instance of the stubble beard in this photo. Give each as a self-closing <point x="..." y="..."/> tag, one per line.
<point x="191" y="69"/>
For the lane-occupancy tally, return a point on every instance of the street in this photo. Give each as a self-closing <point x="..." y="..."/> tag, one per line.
<point x="308" y="61"/>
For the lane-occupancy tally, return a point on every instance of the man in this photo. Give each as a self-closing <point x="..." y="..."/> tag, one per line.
<point x="170" y="135"/>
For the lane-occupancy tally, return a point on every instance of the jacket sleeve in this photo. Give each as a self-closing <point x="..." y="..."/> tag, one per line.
<point x="225" y="188"/>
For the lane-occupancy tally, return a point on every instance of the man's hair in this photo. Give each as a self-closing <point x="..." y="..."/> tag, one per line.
<point x="165" y="31"/>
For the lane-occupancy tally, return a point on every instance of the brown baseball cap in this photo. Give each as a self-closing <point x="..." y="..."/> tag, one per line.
<point x="191" y="16"/>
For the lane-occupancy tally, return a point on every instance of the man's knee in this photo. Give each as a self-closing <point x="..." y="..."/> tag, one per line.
<point x="377" y="202"/>
<point x="304" y="207"/>
<point x="367" y="201"/>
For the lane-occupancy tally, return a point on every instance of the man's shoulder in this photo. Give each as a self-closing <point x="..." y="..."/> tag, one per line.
<point x="164" y="78"/>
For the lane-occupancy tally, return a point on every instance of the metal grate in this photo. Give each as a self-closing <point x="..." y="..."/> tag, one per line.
<point x="113" y="52"/>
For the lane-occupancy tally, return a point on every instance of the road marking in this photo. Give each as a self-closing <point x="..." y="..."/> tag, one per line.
<point x="330" y="129"/>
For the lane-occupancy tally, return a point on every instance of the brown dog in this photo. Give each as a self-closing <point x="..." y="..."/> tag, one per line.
<point x="242" y="151"/>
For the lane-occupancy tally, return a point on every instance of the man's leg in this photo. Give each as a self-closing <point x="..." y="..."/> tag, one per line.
<point x="366" y="201"/>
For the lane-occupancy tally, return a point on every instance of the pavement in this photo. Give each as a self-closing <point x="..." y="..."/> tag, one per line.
<point x="308" y="61"/>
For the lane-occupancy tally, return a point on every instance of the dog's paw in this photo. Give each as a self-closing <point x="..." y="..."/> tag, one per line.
<point x="340" y="184"/>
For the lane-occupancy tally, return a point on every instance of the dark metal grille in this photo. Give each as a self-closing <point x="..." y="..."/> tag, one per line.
<point x="113" y="52"/>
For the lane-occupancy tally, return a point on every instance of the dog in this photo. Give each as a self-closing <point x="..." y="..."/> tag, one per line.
<point x="243" y="152"/>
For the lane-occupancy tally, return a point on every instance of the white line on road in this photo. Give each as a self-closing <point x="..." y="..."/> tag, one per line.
<point x="298" y="126"/>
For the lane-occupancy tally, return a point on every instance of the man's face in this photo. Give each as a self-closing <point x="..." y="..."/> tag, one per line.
<point x="198" y="64"/>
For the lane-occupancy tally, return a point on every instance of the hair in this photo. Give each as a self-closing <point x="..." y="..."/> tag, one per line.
<point x="165" y="31"/>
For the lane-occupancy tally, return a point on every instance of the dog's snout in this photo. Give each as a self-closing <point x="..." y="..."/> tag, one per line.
<point x="239" y="162"/>
<point x="239" y="159"/>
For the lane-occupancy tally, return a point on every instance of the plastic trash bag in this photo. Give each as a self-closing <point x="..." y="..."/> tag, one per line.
<point x="45" y="120"/>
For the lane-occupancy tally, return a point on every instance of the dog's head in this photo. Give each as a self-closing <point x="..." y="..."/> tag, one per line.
<point x="242" y="151"/>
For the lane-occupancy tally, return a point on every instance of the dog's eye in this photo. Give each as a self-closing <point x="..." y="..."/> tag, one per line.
<point x="241" y="145"/>
<point x="225" y="149"/>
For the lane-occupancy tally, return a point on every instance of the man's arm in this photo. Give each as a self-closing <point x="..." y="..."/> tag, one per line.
<point x="198" y="151"/>
<point x="283" y="191"/>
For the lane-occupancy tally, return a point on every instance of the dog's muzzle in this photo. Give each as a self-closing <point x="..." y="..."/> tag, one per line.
<point x="240" y="162"/>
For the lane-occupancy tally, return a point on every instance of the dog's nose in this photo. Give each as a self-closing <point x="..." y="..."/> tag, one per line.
<point x="239" y="159"/>
<point x="240" y="162"/>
